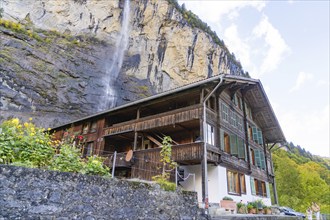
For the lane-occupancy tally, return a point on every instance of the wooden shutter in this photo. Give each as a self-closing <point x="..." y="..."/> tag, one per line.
<point x="253" y="187"/>
<point x="233" y="145"/>
<point x="257" y="157"/>
<point x="267" y="190"/>
<point x="260" y="139"/>
<point x="241" y="148"/>
<point x="262" y="160"/>
<point x="255" y="133"/>
<point x="222" y="139"/>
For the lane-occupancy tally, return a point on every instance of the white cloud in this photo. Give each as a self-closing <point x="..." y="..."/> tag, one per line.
<point x="301" y="80"/>
<point x="309" y="130"/>
<point x="213" y="11"/>
<point x="277" y="48"/>
<point x="238" y="45"/>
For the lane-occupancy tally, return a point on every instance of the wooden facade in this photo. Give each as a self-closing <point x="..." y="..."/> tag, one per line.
<point x="238" y="126"/>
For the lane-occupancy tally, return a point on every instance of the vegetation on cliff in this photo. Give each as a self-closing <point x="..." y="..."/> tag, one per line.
<point x="24" y="144"/>
<point x="302" y="178"/>
<point x="195" y="22"/>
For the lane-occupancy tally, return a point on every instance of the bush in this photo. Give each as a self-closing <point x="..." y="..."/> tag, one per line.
<point x="24" y="143"/>
<point x="68" y="160"/>
<point x="95" y="166"/>
<point x="164" y="183"/>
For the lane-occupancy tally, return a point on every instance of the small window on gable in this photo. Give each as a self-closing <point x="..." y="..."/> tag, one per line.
<point x="94" y="126"/>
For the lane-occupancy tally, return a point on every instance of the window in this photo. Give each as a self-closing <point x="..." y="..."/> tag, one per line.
<point x="225" y="141"/>
<point x="252" y="156"/>
<point x="94" y="126"/>
<point x="239" y="121"/>
<point x="85" y="128"/>
<point x="232" y="144"/>
<point x="240" y="103"/>
<point x="243" y="185"/>
<point x="259" y="188"/>
<point x="257" y="135"/>
<point x="224" y="112"/>
<point x="210" y="134"/>
<point x="259" y="159"/>
<point x="236" y="182"/>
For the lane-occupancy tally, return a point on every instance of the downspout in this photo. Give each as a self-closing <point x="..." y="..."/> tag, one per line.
<point x="205" y="196"/>
<point x="247" y="146"/>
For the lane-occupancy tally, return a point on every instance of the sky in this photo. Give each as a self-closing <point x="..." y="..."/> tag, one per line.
<point x="285" y="44"/>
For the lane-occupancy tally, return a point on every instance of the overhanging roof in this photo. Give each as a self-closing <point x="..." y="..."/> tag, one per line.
<point x="256" y="96"/>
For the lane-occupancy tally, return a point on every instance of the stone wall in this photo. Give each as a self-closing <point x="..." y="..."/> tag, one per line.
<point x="37" y="194"/>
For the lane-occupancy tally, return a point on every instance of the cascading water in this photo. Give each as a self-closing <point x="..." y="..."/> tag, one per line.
<point x="118" y="56"/>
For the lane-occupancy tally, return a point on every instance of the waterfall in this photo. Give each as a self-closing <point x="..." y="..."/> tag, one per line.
<point x="118" y="56"/>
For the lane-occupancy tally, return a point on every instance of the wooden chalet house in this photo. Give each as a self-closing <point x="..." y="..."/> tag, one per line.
<point x="222" y="128"/>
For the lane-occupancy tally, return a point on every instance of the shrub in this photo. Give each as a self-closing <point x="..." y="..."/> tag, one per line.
<point x="68" y="160"/>
<point x="24" y="143"/>
<point x="164" y="183"/>
<point x="227" y="198"/>
<point x="95" y="166"/>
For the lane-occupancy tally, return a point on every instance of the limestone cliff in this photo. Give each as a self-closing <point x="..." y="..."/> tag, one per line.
<point x="55" y="65"/>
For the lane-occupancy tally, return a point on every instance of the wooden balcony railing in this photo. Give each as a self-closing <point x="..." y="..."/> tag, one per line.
<point x="191" y="153"/>
<point x="159" y="120"/>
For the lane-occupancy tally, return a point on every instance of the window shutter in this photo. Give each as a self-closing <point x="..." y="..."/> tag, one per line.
<point x="262" y="160"/>
<point x="257" y="157"/>
<point x="222" y="139"/>
<point x="260" y="139"/>
<point x="253" y="187"/>
<point x="233" y="145"/>
<point x="241" y="148"/>
<point x="255" y="133"/>
<point x="267" y="190"/>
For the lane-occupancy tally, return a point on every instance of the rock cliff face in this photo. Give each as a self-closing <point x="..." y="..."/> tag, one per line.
<point x="57" y="67"/>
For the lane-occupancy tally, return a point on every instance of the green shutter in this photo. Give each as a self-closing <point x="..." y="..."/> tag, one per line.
<point x="253" y="187"/>
<point x="222" y="139"/>
<point x="257" y="157"/>
<point x="267" y="190"/>
<point x="260" y="139"/>
<point x="241" y="148"/>
<point x="255" y="133"/>
<point x="233" y="145"/>
<point x="262" y="160"/>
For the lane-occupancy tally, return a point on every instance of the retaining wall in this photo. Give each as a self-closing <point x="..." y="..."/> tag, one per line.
<point x="37" y="194"/>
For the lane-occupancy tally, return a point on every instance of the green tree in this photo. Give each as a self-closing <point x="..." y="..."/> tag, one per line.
<point x="167" y="165"/>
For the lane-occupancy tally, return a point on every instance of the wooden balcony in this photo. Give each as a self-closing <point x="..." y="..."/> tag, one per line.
<point x="159" y="120"/>
<point x="191" y="153"/>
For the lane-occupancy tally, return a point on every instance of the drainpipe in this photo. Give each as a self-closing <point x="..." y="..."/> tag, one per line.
<point x="204" y="163"/>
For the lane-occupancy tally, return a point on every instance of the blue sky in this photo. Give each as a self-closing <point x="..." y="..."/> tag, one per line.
<point x="285" y="44"/>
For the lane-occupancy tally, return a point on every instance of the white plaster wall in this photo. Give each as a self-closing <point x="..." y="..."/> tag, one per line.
<point x="217" y="184"/>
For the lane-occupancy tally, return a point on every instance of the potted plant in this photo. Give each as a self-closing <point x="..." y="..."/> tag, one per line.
<point x="228" y="204"/>
<point x="241" y="208"/>
<point x="252" y="207"/>
<point x="260" y="206"/>
<point x="267" y="210"/>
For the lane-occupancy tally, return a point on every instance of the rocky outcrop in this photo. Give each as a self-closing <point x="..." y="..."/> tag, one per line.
<point x="66" y="79"/>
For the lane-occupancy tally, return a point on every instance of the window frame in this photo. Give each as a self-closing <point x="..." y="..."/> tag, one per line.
<point x="238" y="179"/>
